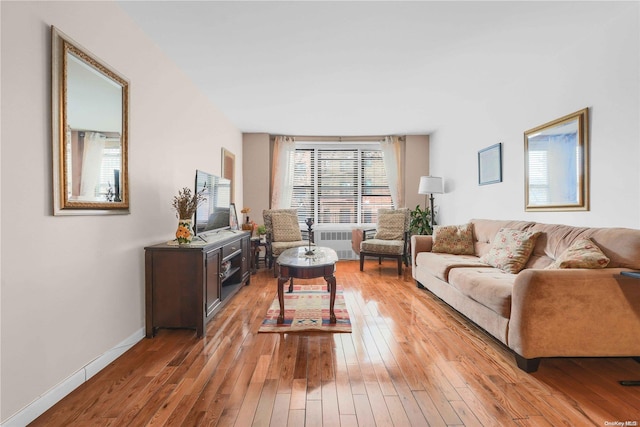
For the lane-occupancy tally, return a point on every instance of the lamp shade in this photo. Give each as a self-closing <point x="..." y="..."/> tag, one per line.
<point x="430" y="185"/>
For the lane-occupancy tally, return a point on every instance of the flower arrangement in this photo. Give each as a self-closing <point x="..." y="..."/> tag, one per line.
<point x="186" y="204"/>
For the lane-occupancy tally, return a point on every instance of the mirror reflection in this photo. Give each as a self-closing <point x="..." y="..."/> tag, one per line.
<point x="90" y="133"/>
<point x="556" y="175"/>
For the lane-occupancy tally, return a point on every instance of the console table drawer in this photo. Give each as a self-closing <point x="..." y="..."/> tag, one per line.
<point x="231" y="248"/>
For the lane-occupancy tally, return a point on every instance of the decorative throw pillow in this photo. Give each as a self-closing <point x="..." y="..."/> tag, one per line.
<point x="453" y="239"/>
<point x="583" y="253"/>
<point x="285" y="227"/>
<point x="510" y="250"/>
<point x="390" y="226"/>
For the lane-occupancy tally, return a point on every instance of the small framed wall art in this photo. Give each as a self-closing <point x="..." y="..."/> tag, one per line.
<point x="490" y="165"/>
<point x="229" y="170"/>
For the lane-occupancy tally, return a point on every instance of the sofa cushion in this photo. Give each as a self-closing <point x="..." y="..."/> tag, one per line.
<point x="439" y="264"/>
<point x="620" y="245"/>
<point x="285" y="227"/>
<point x="510" y="249"/>
<point x="390" y="226"/>
<point x="490" y="287"/>
<point x="583" y="253"/>
<point x="389" y="247"/>
<point x="485" y="230"/>
<point x="453" y="239"/>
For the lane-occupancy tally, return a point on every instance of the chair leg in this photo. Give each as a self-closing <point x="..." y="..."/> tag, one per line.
<point x="399" y="266"/>
<point x="379" y="260"/>
<point x="361" y="261"/>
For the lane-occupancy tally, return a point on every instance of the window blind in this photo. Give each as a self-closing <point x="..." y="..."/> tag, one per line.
<point x="339" y="186"/>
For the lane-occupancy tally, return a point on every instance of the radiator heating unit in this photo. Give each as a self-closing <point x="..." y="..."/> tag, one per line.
<point x="338" y="240"/>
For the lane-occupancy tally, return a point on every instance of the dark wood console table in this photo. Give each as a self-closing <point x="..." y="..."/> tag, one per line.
<point x="185" y="286"/>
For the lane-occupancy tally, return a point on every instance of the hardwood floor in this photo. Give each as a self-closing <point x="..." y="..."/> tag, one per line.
<point x="410" y="360"/>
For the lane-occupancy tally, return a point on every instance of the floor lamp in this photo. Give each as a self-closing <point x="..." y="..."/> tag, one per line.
<point x="430" y="185"/>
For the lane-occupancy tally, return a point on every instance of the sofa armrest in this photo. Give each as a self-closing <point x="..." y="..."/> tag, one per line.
<point x="574" y="312"/>
<point x="420" y="243"/>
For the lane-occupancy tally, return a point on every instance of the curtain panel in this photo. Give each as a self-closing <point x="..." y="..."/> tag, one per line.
<point x="282" y="172"/>
<point x="392" y="154"/>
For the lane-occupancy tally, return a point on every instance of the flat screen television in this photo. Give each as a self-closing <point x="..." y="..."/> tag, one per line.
<point x="213" y="213"/>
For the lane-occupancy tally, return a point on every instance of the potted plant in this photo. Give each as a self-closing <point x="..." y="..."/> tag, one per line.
<point x="421" y="221"/>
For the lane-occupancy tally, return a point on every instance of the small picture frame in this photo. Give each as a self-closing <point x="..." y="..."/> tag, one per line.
<point x="229" y="170"/>
<point x="233" y="217"/>
<point x="490" y="165"/>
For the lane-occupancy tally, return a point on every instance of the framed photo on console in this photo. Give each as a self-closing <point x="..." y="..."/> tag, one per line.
<point x="490" y="165"/>
<point x="233" y="217"/>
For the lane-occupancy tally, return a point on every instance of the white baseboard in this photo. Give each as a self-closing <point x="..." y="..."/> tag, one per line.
<point x="53" y="396"/>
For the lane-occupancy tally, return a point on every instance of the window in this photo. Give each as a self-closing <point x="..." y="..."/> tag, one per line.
<point x="339" y="185"/>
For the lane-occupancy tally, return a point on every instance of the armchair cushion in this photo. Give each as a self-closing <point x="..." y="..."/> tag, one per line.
<point x="278" y="247"/>
<point x="285" y="227"/>
<point x="378" y="246"/>
<point x="391" y="226"/>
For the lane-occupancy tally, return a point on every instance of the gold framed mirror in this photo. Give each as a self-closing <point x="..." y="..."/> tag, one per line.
<point x="90" y="109"/>
<point x="557" y="164"/>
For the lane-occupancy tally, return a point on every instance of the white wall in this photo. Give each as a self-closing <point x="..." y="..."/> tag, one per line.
<point x="73" y="287"/>
<point x="587" y="56"/>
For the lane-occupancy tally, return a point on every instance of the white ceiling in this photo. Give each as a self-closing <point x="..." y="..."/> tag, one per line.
<point x="350" y="68"/>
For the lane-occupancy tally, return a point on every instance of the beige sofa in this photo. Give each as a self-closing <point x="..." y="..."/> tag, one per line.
<point x="538" y="312"/>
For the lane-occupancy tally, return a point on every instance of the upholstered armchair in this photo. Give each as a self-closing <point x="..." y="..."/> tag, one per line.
<point x="390" y="238"/>
<point x="283" y="232"/>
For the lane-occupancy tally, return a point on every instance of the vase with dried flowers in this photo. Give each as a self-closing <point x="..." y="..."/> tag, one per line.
<point x="247" y="225"/>
<point x="185" y="204"/>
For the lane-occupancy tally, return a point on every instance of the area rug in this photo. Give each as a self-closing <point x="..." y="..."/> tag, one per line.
<point x="307" y="309"/>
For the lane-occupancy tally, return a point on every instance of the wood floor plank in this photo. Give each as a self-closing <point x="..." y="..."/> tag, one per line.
<point x="410" y="360"/>
<point x="266" y="404"/>
<point x="280" y="413"/>
<point x="313" y="413"/>
<point x="364" y="413"/>
<point x="314" y="369"/>
<point x="298" y="394"/>
<point x="297" y="418"/>
<point x="396" y="411"/>
<point x="330" y="409"/>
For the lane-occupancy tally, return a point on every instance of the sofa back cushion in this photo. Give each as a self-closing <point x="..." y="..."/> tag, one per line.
<point x="620" y="245"/>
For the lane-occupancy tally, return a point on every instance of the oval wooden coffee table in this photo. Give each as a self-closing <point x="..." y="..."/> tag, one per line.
<point x="294" y="263"/>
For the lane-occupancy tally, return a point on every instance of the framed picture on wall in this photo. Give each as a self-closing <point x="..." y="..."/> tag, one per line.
<point x="490" y="165"/>
<point x="229" y="170"/>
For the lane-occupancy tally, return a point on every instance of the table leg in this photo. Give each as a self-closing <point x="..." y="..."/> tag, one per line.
<point x="281" y="281"/>
<point x="256" y="259"/>
<point x="331" y="284"/>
